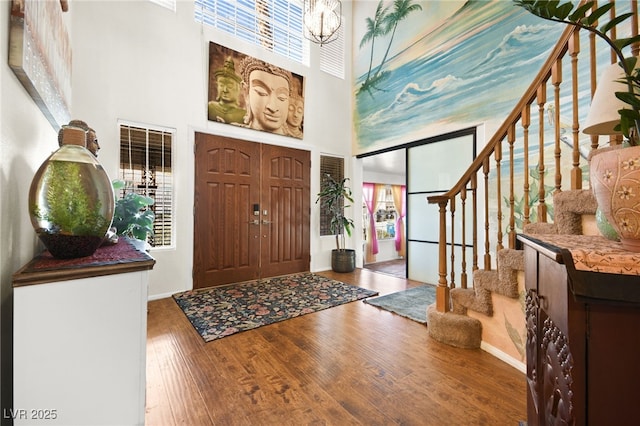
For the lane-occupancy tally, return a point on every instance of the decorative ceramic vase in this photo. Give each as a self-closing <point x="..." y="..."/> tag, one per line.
<point x="605" y="228"/>
<point x="615" y="181"/>
<point x="71" y="199"/>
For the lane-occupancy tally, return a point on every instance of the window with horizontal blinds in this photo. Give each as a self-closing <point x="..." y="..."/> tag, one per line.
<point x="146" y="168"/>
<point x="275" y="25"/>
<point x="333" y="166"/>
<point x="332" y="55"/>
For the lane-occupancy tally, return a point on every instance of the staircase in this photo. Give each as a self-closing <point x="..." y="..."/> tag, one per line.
<point x="456" y="328"/>
<point x="574" y="214"/>
<point x="528" y="178"/>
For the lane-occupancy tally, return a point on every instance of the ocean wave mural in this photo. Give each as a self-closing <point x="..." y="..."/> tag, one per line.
<point x="445" y="64"/>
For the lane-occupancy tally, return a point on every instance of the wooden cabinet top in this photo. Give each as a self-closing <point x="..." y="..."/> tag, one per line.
<point x="107" y="260"/>
<point x="599" y="270"/>
<point x="590" y="252"/>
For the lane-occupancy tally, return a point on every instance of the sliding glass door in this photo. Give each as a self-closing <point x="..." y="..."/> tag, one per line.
<point x="433" y="167"/>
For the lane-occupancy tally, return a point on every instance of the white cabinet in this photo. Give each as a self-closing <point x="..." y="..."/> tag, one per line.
<point x="80" y="349"/>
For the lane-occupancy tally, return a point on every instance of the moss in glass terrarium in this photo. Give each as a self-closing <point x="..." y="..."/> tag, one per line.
<point x="70" y="207"/>
<point x="71" y="200"/>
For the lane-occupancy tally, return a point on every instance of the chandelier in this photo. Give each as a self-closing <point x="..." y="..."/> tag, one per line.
<point x="321" y="19"/>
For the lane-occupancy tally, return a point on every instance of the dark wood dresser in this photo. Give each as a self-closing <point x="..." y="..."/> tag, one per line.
<point x="583" y="331"/>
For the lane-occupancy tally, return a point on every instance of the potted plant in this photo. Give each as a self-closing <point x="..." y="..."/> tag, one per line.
<point x="132" y="217"/>
<point x="614" y="171"/>
<point x="331" y="197"/>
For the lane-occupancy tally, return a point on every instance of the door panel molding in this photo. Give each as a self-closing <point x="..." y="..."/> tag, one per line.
<point x="286" y="184"/>
<point x="231" y="244"/>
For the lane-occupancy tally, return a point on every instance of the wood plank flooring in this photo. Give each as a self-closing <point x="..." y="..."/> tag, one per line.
<point x="349" y="365"/>
<point x="396" y="268"/>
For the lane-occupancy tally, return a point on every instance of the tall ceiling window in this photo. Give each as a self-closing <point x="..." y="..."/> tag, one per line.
<point x="275" y="25"/>
<point x="332" y="55"/>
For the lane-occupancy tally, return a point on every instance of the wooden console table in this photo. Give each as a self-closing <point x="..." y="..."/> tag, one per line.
<point x="583" y="330"/>
<point x="79" y="338"/>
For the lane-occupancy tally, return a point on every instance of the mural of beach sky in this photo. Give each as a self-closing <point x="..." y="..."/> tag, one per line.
<point x="443" y="65"/>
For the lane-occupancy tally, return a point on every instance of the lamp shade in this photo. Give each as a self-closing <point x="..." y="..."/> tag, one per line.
<point x="603" y="115"/>
<point x="321" y="19"/>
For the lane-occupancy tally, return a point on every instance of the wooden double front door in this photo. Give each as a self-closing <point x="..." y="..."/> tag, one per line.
<point x="251" y="210"/>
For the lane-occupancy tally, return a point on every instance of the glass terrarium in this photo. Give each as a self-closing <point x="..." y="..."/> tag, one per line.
<point x="71" y="199"/>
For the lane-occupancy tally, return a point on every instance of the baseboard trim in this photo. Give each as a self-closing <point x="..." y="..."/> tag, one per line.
<point x="159" y="296"/>
<point x="518" y="365"/>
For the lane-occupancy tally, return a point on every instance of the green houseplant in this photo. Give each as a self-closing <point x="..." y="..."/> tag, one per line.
<point x="614" y="171"/>
<point x="331" y="197"/>
<point x="132" y="217"/>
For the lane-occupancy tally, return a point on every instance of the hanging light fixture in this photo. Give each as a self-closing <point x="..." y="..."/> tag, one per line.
<point x="321" y="19"/>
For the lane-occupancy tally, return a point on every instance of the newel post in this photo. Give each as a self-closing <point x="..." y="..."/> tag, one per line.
<point x="442" y="291"/>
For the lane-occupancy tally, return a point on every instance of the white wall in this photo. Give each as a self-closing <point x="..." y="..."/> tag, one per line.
<point x="137" y="61"/>
<point x="26" y="140"/>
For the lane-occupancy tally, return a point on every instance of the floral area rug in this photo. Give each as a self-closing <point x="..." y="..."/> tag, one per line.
<point x="217" y="312"/>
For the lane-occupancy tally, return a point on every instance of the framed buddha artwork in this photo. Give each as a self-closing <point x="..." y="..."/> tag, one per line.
<point x="249" y="92"/>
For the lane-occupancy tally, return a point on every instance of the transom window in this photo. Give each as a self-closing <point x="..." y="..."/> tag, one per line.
<point x="275" y="25"/>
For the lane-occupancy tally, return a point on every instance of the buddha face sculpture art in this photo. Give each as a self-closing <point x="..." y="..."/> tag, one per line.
<point x="226" y="107"/>
<point x="267" y="91"/>
<point x="92" y="140"/>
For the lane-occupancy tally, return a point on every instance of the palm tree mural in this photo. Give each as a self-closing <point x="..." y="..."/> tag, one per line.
<point x="401" y="9"/>
<point x="382" y="24"/>
<point x="375" y="28"/>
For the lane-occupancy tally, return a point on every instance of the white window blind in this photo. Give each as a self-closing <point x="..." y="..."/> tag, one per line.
<point x="332" y="55"/>
<point x="275" y="25"/>
<point x="146" y="168"/>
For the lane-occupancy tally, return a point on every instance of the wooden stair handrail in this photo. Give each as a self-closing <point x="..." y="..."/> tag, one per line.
<point x="530" y="94"/>
<point x="453" y="248"/>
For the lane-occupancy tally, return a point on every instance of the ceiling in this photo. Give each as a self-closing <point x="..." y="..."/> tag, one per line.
<point x="390" y="162"/>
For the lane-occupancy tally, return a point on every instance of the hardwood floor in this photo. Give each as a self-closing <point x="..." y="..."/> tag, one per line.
<point x="352" y="364"/>
<point x="396" y="268"/>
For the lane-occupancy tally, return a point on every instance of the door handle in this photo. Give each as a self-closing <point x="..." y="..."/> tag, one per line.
<point x="266" y="222"/>
<point x="254" y="222"/>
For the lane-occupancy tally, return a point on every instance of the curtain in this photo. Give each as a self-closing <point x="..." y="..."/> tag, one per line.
<point x="377" y="189"/>
<point x="400" y="200"/>
<point x="370" y="199"/>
